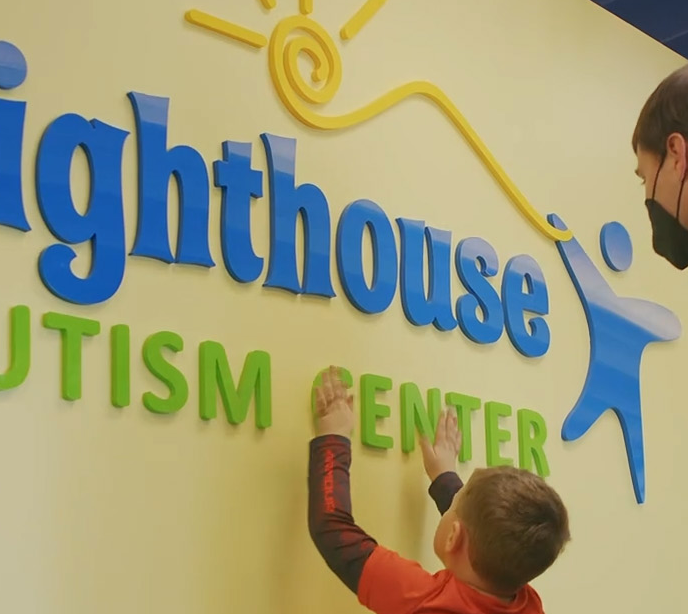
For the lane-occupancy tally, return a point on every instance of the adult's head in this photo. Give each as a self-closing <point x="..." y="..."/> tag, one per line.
<point x="660" y="141"/>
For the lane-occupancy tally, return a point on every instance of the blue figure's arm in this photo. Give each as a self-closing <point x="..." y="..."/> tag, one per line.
<point x="590" y="284"/>
<point x="658" y="321"/>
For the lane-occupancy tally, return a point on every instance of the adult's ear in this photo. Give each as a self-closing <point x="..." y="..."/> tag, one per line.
<point x="677" y="150"/>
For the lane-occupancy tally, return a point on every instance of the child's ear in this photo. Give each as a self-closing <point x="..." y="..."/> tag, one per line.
<point x="456" y="537"/>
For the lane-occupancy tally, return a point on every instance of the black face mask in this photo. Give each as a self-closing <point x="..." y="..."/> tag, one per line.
<point x="669" y="238"/>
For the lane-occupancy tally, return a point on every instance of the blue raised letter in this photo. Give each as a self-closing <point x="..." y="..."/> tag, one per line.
<point x="12" y="131"/>
<point x="437" y="306"/>
<point x="353" y="222"/>
<point x="13" y="70"/>
<point x="239" y="183"/>
<point x="156" y="164"/>
<point x="481" y="293"/>
<point x="533" y="342"/>
<point x="102" y="224"/>
<point x="286" y="203"/>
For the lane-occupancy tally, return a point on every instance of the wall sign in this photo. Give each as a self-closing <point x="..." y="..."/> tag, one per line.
<point x="619" y="328"/>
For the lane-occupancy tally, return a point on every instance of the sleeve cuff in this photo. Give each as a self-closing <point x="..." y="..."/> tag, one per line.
<point x="443" y="489"/>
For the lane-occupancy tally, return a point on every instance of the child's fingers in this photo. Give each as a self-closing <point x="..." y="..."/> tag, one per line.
<point x="455" y="436"/>
<point x="453" y="422"/>
<point x="338" y="387"/>
<point x="340" y="375"/>
<point x="441" y="434"/>
<point x="327" y="387"/>
<point x="426" y="447"/>
<point x="320" y="402"/>
<point x="453" y="429"/>
<point x="458" y="439"/>
<point x="335" y="384"/>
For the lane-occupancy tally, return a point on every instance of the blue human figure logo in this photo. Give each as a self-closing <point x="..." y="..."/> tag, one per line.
<point x="620" y="329"/>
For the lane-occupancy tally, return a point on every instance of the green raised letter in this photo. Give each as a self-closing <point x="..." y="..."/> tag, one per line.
<point x="168" y="374"/>
<point x="464" y="405"/>
<point x="414" y="414"/>
<point x="494" y="436"/>
<point x="532" y="433"/>
<point x="20" y="348"/>
<point x="371" y="410"/>
<point x="73" y="329"/>
<point x="255" y="379"/>
<point x="120" y="366"/>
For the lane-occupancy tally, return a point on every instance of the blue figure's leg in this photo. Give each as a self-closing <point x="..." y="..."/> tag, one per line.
<point x="635" y="453"/>
<point x="630" y="418"/>
<point x="591" y="404"/>
<point x="632" y="427"/>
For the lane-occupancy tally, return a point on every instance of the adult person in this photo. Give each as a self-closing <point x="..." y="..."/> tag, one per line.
<point x="660" y="141"/>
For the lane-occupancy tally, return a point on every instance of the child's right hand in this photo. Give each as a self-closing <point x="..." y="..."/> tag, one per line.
<point x="442" y="456"/>
<point x="334" y="406"/>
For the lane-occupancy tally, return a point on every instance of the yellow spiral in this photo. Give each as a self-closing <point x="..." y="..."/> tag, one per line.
<point x="299" y="34"/>
<point x="313" y="40"/>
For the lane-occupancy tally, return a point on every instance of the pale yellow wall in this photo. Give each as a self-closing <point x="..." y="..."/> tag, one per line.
<point x="110" y="511"/>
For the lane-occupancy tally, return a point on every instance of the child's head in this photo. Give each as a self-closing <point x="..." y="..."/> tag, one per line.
<point x="507" y="524"/>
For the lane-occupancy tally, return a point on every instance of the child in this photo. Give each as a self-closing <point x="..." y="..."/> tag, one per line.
<point x="497" y="533"/>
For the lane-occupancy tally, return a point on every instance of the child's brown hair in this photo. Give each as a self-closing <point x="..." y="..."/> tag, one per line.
<point x="516" y="524"/>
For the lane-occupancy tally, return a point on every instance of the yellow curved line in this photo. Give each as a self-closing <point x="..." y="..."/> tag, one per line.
<point x="437" y="96"/>
<point x="284" y="70"/>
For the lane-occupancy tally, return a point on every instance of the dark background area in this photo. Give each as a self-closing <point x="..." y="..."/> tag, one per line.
<point x="663" y="20"/>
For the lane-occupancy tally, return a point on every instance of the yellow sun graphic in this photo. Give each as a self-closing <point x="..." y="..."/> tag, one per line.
<point x="299" y="34"/>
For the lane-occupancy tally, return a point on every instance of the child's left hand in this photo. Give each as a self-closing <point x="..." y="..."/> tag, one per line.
<point x="440" y="457"/>
<point x="333" y="405"/>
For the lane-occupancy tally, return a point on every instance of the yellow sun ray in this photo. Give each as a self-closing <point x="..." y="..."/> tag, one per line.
<point x="269" y="4"/>
<point x="361" y="18"/>
<point x="306" y="6"/>
<point x="226" y="28"/>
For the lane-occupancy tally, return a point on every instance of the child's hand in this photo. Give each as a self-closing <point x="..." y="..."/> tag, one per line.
<point x="441" y="457"/>
<point x="334" y="406"/>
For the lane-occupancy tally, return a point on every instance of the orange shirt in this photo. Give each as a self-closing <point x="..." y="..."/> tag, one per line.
<point x="391" y="584"/>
